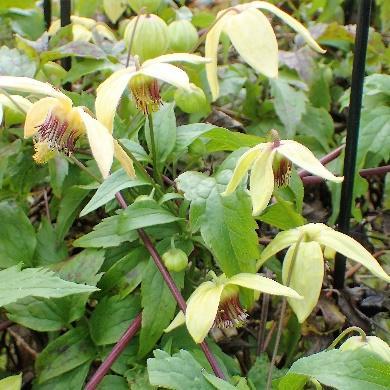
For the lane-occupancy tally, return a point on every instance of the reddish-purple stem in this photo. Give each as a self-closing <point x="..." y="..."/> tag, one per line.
<point x="114" y="354"/>
<point x="325" y="160"/>
<point x="172" y="286"/>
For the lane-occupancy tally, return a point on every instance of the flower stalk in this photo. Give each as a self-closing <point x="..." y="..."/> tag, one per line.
<point x="344" y="333"/>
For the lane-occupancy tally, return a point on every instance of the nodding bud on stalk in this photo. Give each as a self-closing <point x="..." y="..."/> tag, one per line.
<point x="230" y="313"/>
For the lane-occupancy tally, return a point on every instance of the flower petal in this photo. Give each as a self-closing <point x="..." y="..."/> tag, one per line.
<point x="177" y="57"/>
<point x="306" y="277"/>
<point x="171" y="74"/>
<point x="282" y="240"/>
<point x="179" y="320"/>
<point x="263" y="284"/>
<point x="211" y="51"/>
<point x="293" y="23"/>
<point x="244" y="163"/>
<point x="16" y="103"/>
<point x="253" y="37"/>
<point x="26" y="84"/>
<point x="350" y="248"/>
<point x="108" y="95"/>
<point x="202" y="309"/>
<point x="124" y="159"/>
<point x="303" y="157"/>
<point x="261" y="183"/>
<point x="101" y="142"/>
<point x="37" y="114"/>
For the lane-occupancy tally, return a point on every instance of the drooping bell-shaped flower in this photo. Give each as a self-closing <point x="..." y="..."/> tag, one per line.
<point x="308" y="269"/>
<point x="270" y="165"/>
<point x="142" y="80"/>
<point x="252" y="36"/>
<point x="216" y="303"/>
<point x="56" y="125"/>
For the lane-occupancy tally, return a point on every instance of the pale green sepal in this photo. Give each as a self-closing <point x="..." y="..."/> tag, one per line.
<point x="26" y="84"/>
<point x="202" y="309"/>
<point x="306" y="277"/>
<point x="261" y="182"/>
<point x="304" y="158"/>
<point x="262" y="284"/>
<point x="351" y="249"/>
<point x="16" y="103"/>
<point x="281" y="241"/>
<point x="372" y="344"/>
<point x="244" y="163"/>
<point x="108" y="95"/>
<point x="293" y="23"/>
<point x="254" y="39"/>
<point x="211" y="52"/>
<point x="179" y="320"/>
<point x="100" y="141"/>
<point x="169" y="73"/>
<point x="177" y="57"/>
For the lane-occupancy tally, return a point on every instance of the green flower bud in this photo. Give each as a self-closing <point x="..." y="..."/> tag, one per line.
<point x="372" y="344"/>
<point x="150" y="37"/>
<point x="190" y="101"/>
<point x="175" y="260"/>
<point x="182" y="36"/>
<point x="147" y="5"/>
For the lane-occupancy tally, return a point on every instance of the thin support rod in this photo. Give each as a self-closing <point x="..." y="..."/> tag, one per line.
<point x="65" y="11"/>
<point x="97" y="377"/>
<point x="355" y="103"/>
<point x="47" y="13"/>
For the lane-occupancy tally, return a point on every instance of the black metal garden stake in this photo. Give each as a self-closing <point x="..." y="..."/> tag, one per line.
<point x="47" y="13"/>
<point x="355" y="103"/>
<point x="65" y="20"/>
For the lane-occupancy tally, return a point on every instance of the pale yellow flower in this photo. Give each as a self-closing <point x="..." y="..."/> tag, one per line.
<point x="216" y="303"/>
<point x="308" y="270"/>
<point x="270" y="164"/>
<point x="142" y="81"/>
<point x="252" y="36"/>
<point x="56" y="125"/>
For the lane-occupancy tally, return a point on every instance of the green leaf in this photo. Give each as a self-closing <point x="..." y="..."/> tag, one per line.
<point x="282" y="215"/>
<point x="65" y="353"/>
<point x="106" y="234"/>
<point x="73" y="379"/>
<point x="17" y="238"/>
<point x="49" y="249"/>
<point x="218" y="383"/>
<point x="15" y="63"/>
<point x="113" y="382"/>
<point x="374" y="133"/>
<point x="291" y="382"/>
<point x="68" y="210"/>
<point x="222" y="220"/>
<point x="180" y="371"/>
<point x="164" y="124"/>
<point x="23" y="4"/>
<point x="157" y="301"/>
<point x="11" y="383"/>
<point x="37" y="282"/>
<point x="58" y="168"/>
<point x="107" y="190"/>
<point x="111" y="317"/>
<point x="142" y="214"/>
<point x="345" y="370"/>
<point x="290" y="105"/>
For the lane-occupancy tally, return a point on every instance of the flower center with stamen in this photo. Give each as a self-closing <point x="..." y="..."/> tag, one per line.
<point x="58" y="133"/>
<point x="281" y="167"/>
<point x="230" y="313"/>
<point x="146" y="93"/>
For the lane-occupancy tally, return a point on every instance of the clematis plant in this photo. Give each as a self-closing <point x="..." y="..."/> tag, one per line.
<point x="307" y="272"/>
<point x="56" y="125"/>
<point x="252" y="36"/>
<point x="216" y="303"/>
<point x="270" y="165"/>
<point x="143" y="84"/>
